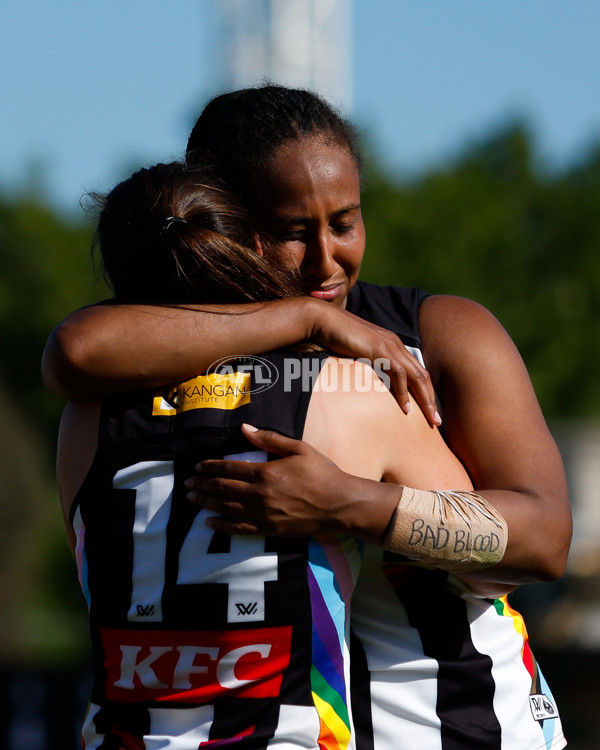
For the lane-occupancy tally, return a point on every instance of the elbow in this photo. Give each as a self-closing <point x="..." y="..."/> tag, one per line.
<point x="536" y="566"/>
<point x="549" y="572"/>
<point x="554" y="568"/>
<point x="552" y="554"/>
<point x="63" y="361"/>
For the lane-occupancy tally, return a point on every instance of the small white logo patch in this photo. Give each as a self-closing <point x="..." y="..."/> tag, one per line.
<point x="542" y="708"/>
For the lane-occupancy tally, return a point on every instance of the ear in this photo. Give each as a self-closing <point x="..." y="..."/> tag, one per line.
<point x="258" y="246"/>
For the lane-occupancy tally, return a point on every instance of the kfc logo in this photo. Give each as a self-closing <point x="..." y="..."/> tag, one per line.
<point x="194" y="666"/>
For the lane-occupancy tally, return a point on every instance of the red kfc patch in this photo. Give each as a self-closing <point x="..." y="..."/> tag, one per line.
<point x="192" y="666"/>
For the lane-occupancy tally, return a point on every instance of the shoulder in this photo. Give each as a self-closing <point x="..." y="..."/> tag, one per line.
<point x="359" y="425"/>
<point x="352" y="388"/>
<point x="446" y="320"/>
<point x="459" y="332"/>
<point x="349" y="409"/>
<point x="448" y="305"/>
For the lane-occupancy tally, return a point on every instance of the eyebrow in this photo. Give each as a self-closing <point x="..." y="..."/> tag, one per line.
<point x="303" y="219"/>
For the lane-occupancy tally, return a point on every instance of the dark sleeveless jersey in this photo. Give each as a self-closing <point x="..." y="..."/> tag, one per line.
<point x="392" y="307"/>
<point x="202" y="638"/>
<point x="434" y="667"/>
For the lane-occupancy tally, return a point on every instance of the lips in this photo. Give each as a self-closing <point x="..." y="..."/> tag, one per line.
<point x="327" y="293"/>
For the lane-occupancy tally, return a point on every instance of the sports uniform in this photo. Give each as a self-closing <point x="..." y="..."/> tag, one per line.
<point x="201" y="638"/>
<point x="434" y="667"/>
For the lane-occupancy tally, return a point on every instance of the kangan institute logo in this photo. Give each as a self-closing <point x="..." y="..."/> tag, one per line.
<point x="228" y="384"/>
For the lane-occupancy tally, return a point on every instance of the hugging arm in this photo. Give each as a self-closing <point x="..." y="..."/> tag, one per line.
<point x="361" y="449"/>
<point x="493" y="424"/>
<point x="107" y="348"/>
<point x="101" y="349"/>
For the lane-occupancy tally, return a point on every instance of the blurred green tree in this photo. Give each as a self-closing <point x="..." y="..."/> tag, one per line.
<point x="45" y="272"/>
<point x="498" y="228"/>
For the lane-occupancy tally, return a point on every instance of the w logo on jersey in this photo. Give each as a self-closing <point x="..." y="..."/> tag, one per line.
<point x="247" y="609"/>
<point x="145" y="610"/>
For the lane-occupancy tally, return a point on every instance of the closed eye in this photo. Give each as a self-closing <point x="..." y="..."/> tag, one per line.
<point x="343" y="228"/>
<point x="294" y="236"/>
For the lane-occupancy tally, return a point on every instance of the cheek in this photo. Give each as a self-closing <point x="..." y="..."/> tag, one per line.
<point x="353" y="254"/>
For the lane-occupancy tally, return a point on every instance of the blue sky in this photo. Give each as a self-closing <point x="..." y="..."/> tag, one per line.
<point x="91" y="89"/>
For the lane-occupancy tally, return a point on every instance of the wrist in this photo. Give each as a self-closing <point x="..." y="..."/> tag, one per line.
<point x="369" y="508"/>
<point x="315" y="318"/>
<point x="450" y="529"/>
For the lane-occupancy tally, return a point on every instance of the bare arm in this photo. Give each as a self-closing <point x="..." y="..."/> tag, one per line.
<point x="344" y="476"/>
<point x="106" y="348"/>
<point x="361" y="448"/>
<point x="77" y="441"/>
<point x="495" y="426"/>
<point x="109" y="348"/>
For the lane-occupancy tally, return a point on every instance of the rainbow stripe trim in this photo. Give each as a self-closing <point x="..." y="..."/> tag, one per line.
<point x="81" y="557"/>
<point x="552" y="735"/>
<point x="505" y="610"/>
<point x="331" y="582"/>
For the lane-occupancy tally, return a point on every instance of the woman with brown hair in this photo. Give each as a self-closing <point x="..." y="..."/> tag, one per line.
<point x="200" y="636"/>
<point x="293" y="163"/>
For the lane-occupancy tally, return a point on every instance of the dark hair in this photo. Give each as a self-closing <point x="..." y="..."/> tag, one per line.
<point x="167" y="235"/>
<point x="238" y="132"/>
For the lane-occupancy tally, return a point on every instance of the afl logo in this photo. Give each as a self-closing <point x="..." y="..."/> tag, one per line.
<point x="263" y="374"/>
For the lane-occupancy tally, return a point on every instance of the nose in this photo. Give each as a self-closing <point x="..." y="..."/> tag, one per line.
<point x="319" y="259"/>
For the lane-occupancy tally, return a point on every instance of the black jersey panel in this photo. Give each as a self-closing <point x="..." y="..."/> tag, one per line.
<point x="391" y="307"/>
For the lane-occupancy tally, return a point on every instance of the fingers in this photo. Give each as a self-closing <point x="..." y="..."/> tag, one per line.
<point x="408" y="376"/>
<point x="399" y="386"/>
<point x="222" y="506"/>
<point x="271" y="441"/>
<point x="415" y="377"/>
<point x="226" y="488"/>
<point x="230" y="526"/>
<point x="424" y="394"/>
<point x="234" y="516"/>
<point x="242" y="471"/>
<point x="367" y="340"/>
<point x="262" y="497"/>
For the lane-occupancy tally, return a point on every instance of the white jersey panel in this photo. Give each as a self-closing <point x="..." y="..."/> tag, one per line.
<point x="499" y="636"/>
